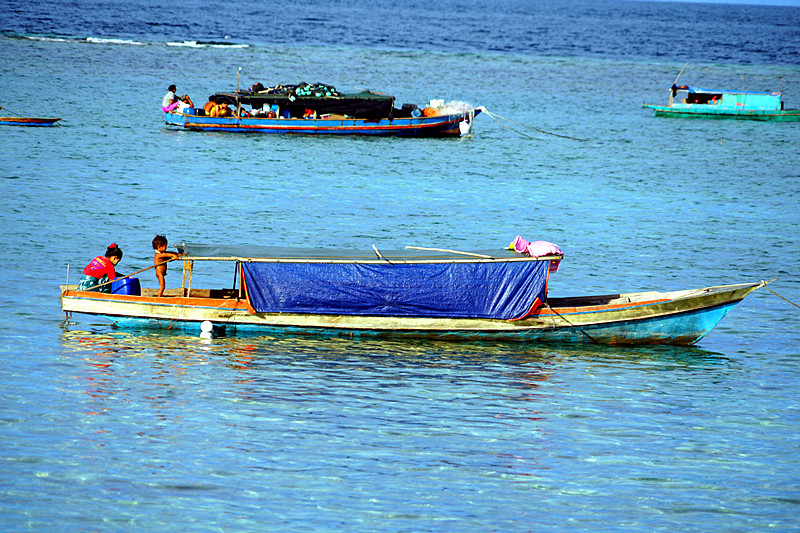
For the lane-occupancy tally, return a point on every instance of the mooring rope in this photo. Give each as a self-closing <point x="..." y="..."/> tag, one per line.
<point x="10" y="112"/>
<point x="495" y="116"/>
<point x="779" y="296"/>
<point x="570" y="323"/>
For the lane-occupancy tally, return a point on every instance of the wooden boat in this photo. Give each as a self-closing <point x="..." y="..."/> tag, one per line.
<point x="438" y="294"/>
<point x="27" y="121"/>
<point x="692" y="102"/>
<point x="322" y="110"/>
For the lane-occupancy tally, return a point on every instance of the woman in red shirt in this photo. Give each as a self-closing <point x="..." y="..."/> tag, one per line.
<point x="101" y="270"/>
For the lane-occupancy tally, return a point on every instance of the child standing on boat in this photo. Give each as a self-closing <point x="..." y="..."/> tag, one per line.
<point x="162" y="257"/>
<point x="101" y="270"/>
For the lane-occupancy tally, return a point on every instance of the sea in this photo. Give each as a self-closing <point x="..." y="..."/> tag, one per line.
<point x="105" y="429"/>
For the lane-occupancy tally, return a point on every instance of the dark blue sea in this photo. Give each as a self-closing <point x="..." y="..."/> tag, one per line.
<point x="105" y="429"/>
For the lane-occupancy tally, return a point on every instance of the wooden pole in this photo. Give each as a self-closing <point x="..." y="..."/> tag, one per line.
<point x="671" y="96"/>
<point x="449" y="251"/>
<point x="238" y="105"/>
<point x="191" y="273"/>
<point x="679" y="74"/>
<point x="129" y="275"/>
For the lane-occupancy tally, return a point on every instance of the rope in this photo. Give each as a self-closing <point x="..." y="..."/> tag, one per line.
<point x="109" y="282"/>
<point x="491" y="115"/>
<point x="11" y="112"/>
<point x="380" y="256"/>
<point x="496" y="116"/>
<point x="781" y="297"/>
<point x="570" y="323"/>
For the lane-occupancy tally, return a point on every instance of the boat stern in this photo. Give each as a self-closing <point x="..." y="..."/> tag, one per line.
<point x="175" y="119"/>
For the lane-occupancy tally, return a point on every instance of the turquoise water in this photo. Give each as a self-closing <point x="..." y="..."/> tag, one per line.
<point x="113" y="430"/>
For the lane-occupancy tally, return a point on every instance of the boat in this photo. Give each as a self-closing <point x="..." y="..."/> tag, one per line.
<point x="414" y="293"/>
<point x="694" y="102"/>
<point x="27" y="121"/>
<point x="322" y="110"/>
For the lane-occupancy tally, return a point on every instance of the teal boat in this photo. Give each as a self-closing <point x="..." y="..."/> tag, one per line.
<point x="693" y="102"/>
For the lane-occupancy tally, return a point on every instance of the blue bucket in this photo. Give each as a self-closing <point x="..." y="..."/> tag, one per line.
<point x="127" y="286"/>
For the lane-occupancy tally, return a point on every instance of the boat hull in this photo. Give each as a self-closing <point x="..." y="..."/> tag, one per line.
<point x="677" y="318"/>
<point x="28" y="121"/>
<point x="453" y="125"/>
<point x="705" y="111"/>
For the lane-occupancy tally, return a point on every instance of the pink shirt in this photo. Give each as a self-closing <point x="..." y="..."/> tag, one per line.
<point x="99" y="266"/>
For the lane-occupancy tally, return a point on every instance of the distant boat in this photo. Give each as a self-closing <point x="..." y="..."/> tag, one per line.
<point x="693" y="102"/>
<point x="27" y="121"/>
<point x="322" y="110"/>
<point x="439" y="294"/>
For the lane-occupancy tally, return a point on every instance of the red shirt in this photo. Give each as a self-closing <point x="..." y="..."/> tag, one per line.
<point x="100" y="265"/>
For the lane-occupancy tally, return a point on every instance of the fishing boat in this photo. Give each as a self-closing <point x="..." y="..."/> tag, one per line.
<point x="27" y="121"/>
<point x="322" y="110"/>
<point x="694" y="102"/>
<point x="419" y="292"/>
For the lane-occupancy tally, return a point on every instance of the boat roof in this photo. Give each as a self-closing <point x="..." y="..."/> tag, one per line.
<point x="699" y="90"/>
<point x="365" y="104"/>
<point x="211" y="252"/>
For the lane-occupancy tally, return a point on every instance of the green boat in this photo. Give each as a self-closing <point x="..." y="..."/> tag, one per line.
<point x="693" y="102"/>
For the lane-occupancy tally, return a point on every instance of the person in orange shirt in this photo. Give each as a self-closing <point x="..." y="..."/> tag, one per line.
<point x="101" y="270"/>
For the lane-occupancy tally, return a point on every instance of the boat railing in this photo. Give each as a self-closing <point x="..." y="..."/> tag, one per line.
<point x="375" y="260"/>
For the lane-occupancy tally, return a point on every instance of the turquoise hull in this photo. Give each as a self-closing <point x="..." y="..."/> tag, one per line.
<point x="676" y="318"/>
<point x="718" y="112"/>
<point x="680" y="329"/>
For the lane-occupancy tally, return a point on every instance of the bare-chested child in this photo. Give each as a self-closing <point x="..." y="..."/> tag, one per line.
<point x="160" y="260"/>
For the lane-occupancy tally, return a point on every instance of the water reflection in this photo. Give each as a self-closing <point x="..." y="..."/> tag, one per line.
<point x="272" y="408"/>
<point x="250" y="351"/>
<point x="250" y="365"/>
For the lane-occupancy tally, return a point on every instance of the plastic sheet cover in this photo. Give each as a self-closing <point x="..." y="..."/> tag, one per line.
<point x="501" y="290"/>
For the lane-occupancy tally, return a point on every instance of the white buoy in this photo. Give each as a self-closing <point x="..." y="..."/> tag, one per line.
<point x="206" y="326"/>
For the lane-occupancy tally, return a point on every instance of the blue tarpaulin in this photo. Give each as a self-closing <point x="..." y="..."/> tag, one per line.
<point x="501" y="290"/>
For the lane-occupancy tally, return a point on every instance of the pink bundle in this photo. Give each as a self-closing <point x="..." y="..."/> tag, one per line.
<point x="536" y="249"/>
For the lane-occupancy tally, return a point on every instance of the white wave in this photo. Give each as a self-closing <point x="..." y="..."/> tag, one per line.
<point x="45" y="39"/>
<point x="210" y="44"/>
<point x="100" y="40"/>
<point x="188" y="44"/>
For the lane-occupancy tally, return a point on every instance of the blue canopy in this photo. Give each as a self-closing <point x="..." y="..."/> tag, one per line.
<point x="469" y="289"/>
